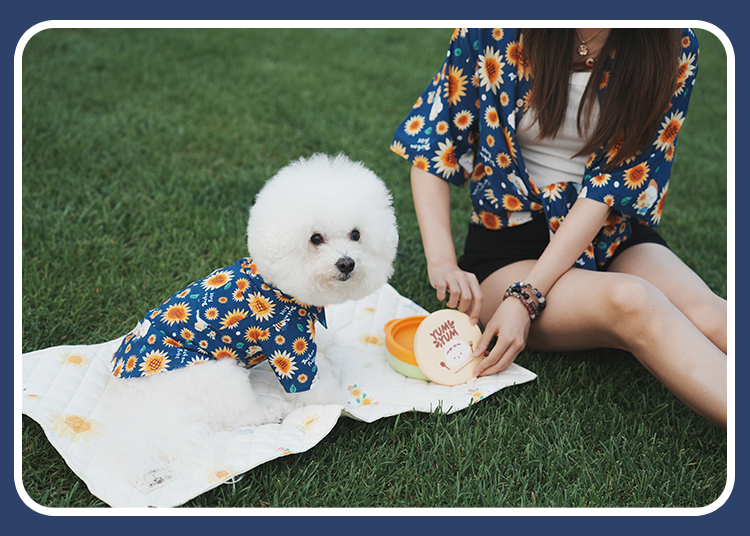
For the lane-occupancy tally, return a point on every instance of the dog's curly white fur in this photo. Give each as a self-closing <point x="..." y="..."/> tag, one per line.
<point x="323" y="230"/>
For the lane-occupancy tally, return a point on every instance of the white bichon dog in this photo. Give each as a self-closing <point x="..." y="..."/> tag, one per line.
<point x="322" y="231"/>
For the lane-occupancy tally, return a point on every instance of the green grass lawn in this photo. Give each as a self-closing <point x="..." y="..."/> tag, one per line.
<point x="142" y="153"/>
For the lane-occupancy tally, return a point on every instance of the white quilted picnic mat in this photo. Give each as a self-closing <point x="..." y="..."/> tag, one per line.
<point x="62" y="387"/>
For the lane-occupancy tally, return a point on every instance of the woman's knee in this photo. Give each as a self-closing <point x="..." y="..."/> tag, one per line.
<point x="636" y="307"/>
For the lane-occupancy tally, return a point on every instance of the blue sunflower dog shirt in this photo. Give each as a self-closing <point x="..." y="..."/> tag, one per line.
<point x="230" y="314"/>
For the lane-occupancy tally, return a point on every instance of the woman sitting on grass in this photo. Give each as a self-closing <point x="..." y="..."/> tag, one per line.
<point x="565" y="139"/>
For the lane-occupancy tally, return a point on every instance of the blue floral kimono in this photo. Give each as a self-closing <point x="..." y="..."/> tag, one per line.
<point x="230" y="314"/>
<point x="463" y="129"/>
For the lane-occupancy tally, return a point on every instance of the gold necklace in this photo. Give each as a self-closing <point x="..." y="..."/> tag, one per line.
<point x="583" y="50"/>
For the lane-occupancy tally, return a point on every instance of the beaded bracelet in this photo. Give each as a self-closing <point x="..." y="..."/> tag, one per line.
<point x="525" y="292"/>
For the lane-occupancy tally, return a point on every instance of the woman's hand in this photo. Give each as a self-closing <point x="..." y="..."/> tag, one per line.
<point x="461" y="287"/>
<point x="510" y="324"/>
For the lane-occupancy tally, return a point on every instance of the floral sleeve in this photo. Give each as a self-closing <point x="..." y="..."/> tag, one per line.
<point x="439" y="134"/>
<point x="638" y="188"/>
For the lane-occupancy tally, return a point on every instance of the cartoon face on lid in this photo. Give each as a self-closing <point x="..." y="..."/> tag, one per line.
<point x="444" y="346"/>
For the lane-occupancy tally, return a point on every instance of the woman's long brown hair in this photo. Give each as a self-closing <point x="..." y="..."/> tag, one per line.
<point x="640" y="85"/>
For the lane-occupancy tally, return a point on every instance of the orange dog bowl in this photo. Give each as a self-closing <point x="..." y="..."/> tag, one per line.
<point x="437" y="348"/>
<point x="399" y="342"/>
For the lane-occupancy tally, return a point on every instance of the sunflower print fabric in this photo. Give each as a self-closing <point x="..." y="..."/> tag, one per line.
<point x="463" y="129"/>
<point x="230" y="314"/>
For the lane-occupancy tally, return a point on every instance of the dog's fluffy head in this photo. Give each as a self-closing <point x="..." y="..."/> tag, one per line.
<point x="323" y="230"/>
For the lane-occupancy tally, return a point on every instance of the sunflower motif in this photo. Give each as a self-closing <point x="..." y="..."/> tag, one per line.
<point x="154" y="362"/>
<point x="176" y="313"/>
<point x="224" y="353"/>
<point x="685" y="70"/>
<point x="608" y="230"/>
<point x="414" y="125"/>
<point x="554" y="223"/>
<point x="398" y="148"/>
<point x="371" y="339"/>
<point x="605" y="80"/>
<point x="242" y="284"/>
<point x="284" y="363"/>
<point x="669" y="130"/>
<point x="600" y="180"/>
<point x="169" y="341"/>
<point x="491" y="117"/>
<point x="281" y="297"/>
<point x="511" y="53"/>
<point x="309" y="422"/>
<point x="212" y="313"/>
<point x="217" y="280"/>
<point x="251" y="268"/>
<point x="219" y="475"/>
<point x="232" y="318"/>
<point x="441" y="127"/>
<point x="74" y="359"/>
<point x="299" y="346"/>
<point x="554" y="191"/>
<point x="509" y="142"/>
<point x="503" y="160"/>
<point x="131" y="363"/>
<point x="490" y="220"/>
<point x="445" y="159"/>
<point x="455" y="85"/>
<point x="497" y="34"/>
<point x="187" y="334"/>
<point x="311" y="328"/>
<point x="613" y="247"/>
<point x="589" y="251"/>
<point x="422" y="163"/>
<point x="261" y="307"/>
<point x="198" y="360"/>
<point x="656" y="212"/>
<point x="478" y="173"/>
<point x="635" y="177"/>
<point x="491" y="69"/>
<point x="75" y="427"/>
<point x="669" y="153"/>
<point x="463" y="119"/>
<point x="512" y="203"/>
<point x="255" y="334"/>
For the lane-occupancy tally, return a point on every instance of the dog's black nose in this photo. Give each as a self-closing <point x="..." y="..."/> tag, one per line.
<point x="345" y="265"/>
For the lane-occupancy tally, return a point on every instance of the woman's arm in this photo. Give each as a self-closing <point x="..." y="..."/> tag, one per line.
<point x="511" y="321"/>
<point x="432" y="203"/>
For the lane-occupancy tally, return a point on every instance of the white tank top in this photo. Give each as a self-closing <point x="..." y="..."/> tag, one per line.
<point x="549" y="160"/>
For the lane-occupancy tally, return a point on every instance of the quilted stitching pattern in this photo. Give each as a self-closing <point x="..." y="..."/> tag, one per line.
<point x="62" y="388"/>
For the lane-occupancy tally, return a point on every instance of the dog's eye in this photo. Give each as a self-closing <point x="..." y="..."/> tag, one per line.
<point x="317" y="239"/>
<point x="355" y="235"/>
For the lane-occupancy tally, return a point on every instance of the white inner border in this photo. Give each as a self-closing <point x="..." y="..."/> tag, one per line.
<point x="17" y="295"/>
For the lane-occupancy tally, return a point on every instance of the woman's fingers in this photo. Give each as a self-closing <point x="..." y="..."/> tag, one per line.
<point x="462" y="291"/>
<point x="497" y="360"/>
<point x="510" y="324"/>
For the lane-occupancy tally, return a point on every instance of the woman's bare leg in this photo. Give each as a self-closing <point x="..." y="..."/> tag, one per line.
<point x="588" y="310"/>
<point x="683" y="287"/>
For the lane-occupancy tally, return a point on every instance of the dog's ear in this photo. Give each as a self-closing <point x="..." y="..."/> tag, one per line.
<point x="267" y="244"/>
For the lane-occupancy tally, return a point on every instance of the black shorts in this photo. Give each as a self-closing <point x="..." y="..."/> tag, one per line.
<point x="486" y="251"/>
